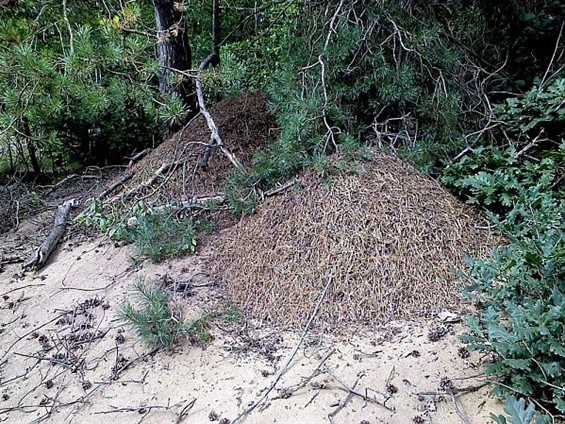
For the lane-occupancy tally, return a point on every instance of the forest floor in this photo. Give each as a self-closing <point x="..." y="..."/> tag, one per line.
<point x="66" y="357"/>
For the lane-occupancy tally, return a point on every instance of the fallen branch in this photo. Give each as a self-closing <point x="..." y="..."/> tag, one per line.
<point x="458" y="410"/>
<point x="215" y="139"/>
<point x="279" y="189"/>
<point x="351" y="390"/>
<point x="119" y="369"/>
<point x="350" y="394"/>
<point x="289" y="391"/>
<point x="184" y="411"/>
<point x="283" y="370"/>
<point x="114" y="186"/>
<point x="65" y="180"/>
<point x="137" y="157"/>
<point x="164" y="168"/>
<point x="39" y="257"/>
<point x="455" y="390"/>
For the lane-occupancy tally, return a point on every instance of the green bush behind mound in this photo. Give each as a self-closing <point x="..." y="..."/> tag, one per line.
<point x="521" y="289"/>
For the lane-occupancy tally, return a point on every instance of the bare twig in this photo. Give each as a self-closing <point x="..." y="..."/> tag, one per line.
<point x="530" y="145"/>
<point x="350" y="394"/>
<point x="456" y="390"/>
<point x="215" y="138"/>
<point x="66" y="19"/>
<point x="458" y="410"/>
<point x="184" y="411"/>
<point x="138" y="156"/>
<point x="283" y="370"/>
<point x="288" y="391"/>
<point x="545" y="79"/>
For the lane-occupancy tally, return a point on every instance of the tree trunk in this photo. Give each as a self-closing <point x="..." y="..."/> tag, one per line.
<point x="31" y="150"/>
<point x="216" y="32"/>
<point x="173" y="52"/>
<point x="11" y="157"/>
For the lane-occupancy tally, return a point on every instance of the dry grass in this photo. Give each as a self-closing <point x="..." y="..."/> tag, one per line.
<point x="390" y="240"/>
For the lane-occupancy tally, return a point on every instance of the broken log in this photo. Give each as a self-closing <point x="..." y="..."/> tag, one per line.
<point x="40" y="255"/>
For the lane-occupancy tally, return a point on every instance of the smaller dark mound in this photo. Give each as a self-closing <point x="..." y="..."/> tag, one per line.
<point x="388" y="240"/>
<point x="245" y="124"/>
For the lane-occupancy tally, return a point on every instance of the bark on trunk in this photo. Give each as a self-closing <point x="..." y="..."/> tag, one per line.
<point x="31" y="150"/>
<point x="173" y="51"/>
<point x="6" y="3"/>
<point x="216" y="32"/>
<point x="40" y="255"/>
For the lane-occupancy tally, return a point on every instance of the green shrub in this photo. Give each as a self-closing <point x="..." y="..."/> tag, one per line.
<point x="156" y="320"/>
<point x="76" y="93"/>
<point x="521" y="288"/>
<point x="197" y="331"/>
<point x="111" y="222"/>
<point x="160" y="236"/>
<point x="372" y="78"/>
<point x="518" y="413"/>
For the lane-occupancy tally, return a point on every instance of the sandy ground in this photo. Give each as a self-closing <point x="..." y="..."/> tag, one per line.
<point x="65" y="357"/>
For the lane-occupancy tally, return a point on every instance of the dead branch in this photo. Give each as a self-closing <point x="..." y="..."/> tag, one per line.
<point x="458" y="410"/>
<point x="530" y="145"/>
<point x="135" y="158"/>
<point x="23" y="337"/>
<point x="215" y="138"/>
<point x="545" y="78"/>
<point x="279" y="189"/>
<point x="455" y="390"/>
<point x="39" y="257"/>
<point x="350" y="394"/>
<point x="184" y="411"/>
<point x="60" y="183"/>
<point x="114" y="186"/>
<point x="163" y="169"/>
<point x="286" y="392"/>
<point x="365" y="397"/>
<point x="119" y="369"/>
<point x="283" y="370"/>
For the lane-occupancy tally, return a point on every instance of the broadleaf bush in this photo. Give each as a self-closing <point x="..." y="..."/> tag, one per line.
<point x="521" y="288"/>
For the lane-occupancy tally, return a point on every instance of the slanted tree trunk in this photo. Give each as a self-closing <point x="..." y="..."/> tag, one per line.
<point x="173" y="52"/>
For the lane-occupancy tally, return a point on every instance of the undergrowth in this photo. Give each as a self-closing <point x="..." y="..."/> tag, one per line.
<point x="160" y="236"/>
<point x="332" y="97"/>
<point x="157" y="235"/>
<point x="158" y="321"/>
<point x="521" y="288"/>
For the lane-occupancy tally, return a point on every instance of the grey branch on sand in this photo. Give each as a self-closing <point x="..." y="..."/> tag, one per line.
<point x="40" y="255"/>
